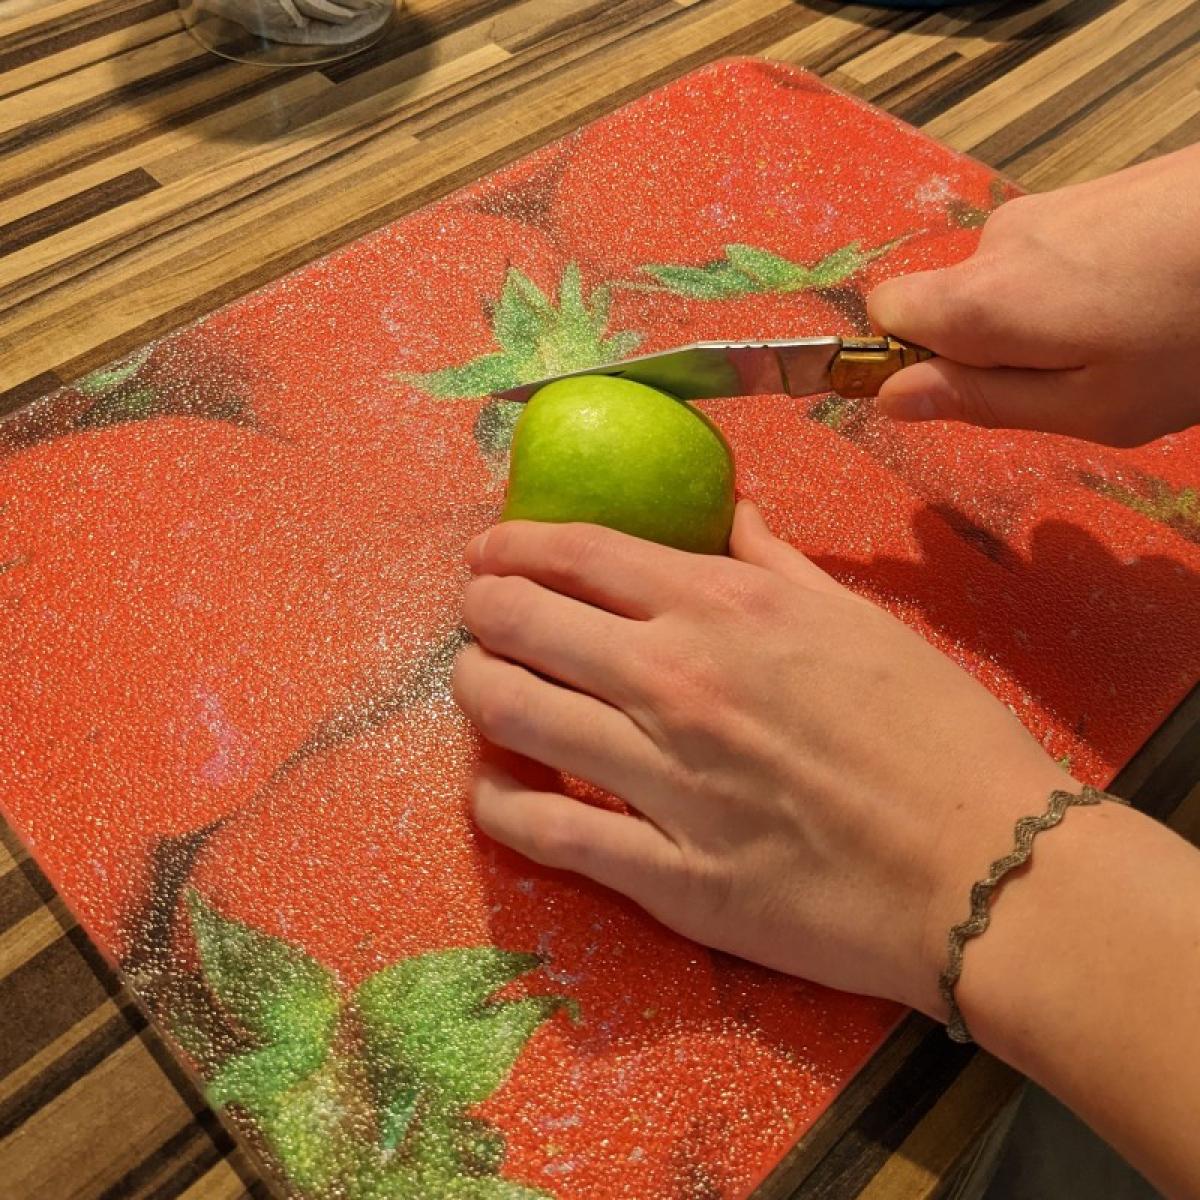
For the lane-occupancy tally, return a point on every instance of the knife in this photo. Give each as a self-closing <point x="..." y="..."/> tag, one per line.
<point x="852" y="367"/>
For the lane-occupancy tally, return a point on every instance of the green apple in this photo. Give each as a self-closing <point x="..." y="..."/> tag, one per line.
<point x="617" y="453"/>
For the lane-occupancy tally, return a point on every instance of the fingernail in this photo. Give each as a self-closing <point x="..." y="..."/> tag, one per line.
<point x="475" y="549"/>
<point x="923" y="408"/>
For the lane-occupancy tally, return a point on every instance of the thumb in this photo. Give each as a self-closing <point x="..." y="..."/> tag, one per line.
<point x="753" y="543"/>
<point x="997" y="397"/>
<point x="937" y="309"/>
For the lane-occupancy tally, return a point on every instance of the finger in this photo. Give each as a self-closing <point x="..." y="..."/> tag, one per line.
<point x="935" y="309"/>
<point x="753" y="543"/>
<point x="621" y="852"/>
<point x="1001" y="398"/>
<point x="578" y="644"/>
<point x="623" y="574"/>
<point x="980" y="312"/>
<point x="555" y="726"/>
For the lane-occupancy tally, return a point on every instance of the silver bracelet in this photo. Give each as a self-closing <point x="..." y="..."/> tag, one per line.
<point x="1027" y="828"/>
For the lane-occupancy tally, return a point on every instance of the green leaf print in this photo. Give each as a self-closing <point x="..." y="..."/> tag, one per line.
<point x="322" y="1131"/>
<point x="432" y="1026"/>
<point x="520" y="312"/>
<point x="716" y="281"/>
<point x="746" y="270"/>
<point x="105" y="380"/>
<point x="369" y="1100"/>
<point x="770" y="271"/>
<point x="274" y="992"/>
<point x="133" y="404"/>
<point x="536" y="336"/>
<point x="1177" y="508"/>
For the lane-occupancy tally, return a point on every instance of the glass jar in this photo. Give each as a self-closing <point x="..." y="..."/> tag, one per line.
<point x="284" y="33"/>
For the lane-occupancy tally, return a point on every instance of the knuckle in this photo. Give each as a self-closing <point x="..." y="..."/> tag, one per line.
<point x="500" y="714"/>
<point x="495" y="605"/>
<point x="573" y="548"/>
<point x="557" y="840"/>
<point x="690" y="704"/>
<point x="973" y="402"/>
<point x="733" y="590"/>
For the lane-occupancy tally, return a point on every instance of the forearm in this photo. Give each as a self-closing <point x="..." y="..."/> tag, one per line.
<point x="1088" y="981"/>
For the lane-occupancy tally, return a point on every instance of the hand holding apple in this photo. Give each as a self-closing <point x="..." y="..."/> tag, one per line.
<point x="817" y="786"/>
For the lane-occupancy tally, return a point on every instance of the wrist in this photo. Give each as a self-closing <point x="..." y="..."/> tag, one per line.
<point x="966" y="849"/>
<point x="1057" y="924"/>
<point x="1086" y="981"/>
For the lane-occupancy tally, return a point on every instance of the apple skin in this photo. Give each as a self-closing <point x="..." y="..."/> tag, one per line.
<point x="613" y="452"/>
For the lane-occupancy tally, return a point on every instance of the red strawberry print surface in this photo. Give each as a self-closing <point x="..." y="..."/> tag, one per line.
<point x="230" y="574"/>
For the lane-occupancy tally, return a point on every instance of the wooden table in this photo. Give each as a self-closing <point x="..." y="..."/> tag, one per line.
<point x="143" y="182"/>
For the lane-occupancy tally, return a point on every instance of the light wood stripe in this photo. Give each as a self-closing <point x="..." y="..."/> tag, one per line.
<point x="28" y="1072"/>
<point x="89" y="139"/>
<point x="893" y="54"/>
<point x="7" y="861"/>
<point x="220" y="1183"/>
<point x="125" y="1103"/>
<point x="324" y="125"/>
<point x="1134" y="122"/>
<point x="29" y="14"/>
<point x="820" y="36"/>
<point x="30" y="936"/>
<point x="92" y="85"/>
<point x="986" y="112"/>
<point x="259" y="117"/>
<point x="918" y="1169"/>
<point x="93" y="52"/>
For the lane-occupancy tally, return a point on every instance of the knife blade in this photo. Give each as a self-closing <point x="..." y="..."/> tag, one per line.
<point x="853" y="367"/>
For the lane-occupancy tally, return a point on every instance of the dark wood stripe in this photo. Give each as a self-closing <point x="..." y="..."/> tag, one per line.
<point x="35" y="877"/>
<point x="888" y="1119"/>
<point x="976" y="74"/>
<point x="169" y="1169"/>
<point x="74" y="30"/>
<point x="598" y="34"/>
<point x="66" y="118"/>
<point x="840" y="1117"/>
<point x="69" y="1068"/>
<point x="1169" y="43"/>
<point x="923" y="75"/>
<point x="29" y="391"/>
<point x="42" y="999"/>
<point x="81" y="207"/>
<point x="520" y="72"/>
<point x="193" y="68"/>
<point x="1159" y="791"/>
<point x="17" y="899"/>
<point x="876" y="27"/>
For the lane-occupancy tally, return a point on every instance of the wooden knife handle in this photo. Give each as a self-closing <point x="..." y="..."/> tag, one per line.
<point x="863" y="364"/>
